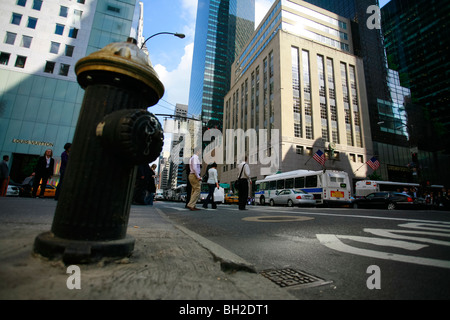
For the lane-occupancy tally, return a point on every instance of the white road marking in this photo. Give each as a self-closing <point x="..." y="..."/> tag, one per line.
<point x="386" y="242"/>
<point x="333" y="242"/>
<point x="392" y="234"/>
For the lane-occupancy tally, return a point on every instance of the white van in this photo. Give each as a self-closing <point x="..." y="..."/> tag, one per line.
<point x="159" y="195"/>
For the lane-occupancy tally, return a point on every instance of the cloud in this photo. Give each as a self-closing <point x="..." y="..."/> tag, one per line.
<point x="177" y="81"/>
<point x="261" y="8"/>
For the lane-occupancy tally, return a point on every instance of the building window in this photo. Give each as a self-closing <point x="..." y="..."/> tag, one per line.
<point x="16" y="18"/>
<point x="59" y="29"/>
<point x="32" y="22"/>
<point x="20" y="62"/>
<point x="54" y="47"/>
<point x="73" y="33"/>
<point x="69" y="50"/>
<point x="37" y="4"/>
<point x="63" y="11"/>
<point x="64" y="69"/>
<point x="113" y="9"/>
<point x="77" y="17"/>
<point x="307" y="95"/>
<point x="296" y="92"/>
<point x="346" y="99"/>
<point x="49" y="67"/>
<point x="4" y="58"/>
<point x="26" y="41"/>
<point x="10" y="38"/>
<point x="299" y="149"/>
<point x="81" y="1"/>
<point x="21" y="3"/>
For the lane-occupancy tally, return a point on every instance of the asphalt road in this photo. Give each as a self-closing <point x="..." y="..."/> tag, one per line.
<point x="346" y="253"/>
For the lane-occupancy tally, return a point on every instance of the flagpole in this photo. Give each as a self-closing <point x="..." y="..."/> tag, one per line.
<point x="308" y="160"/>
<point x="360" y="168"/>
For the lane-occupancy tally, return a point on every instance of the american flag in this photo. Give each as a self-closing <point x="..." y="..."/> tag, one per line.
<point x="373" y="163"/>
<point x="319" y="156"/>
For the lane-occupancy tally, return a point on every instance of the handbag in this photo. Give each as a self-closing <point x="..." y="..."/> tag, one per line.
<point x="237" y="182"/>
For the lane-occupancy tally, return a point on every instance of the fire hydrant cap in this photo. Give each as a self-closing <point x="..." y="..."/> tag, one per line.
<point x="120" y="58"/>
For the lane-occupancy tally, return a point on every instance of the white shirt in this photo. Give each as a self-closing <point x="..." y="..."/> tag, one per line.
<point x="245" y="172"/>
<point x="194" y="164"/>
<point x="212" y="176"/>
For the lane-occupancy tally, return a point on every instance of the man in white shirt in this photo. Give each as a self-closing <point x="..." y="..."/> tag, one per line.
<point x="194" y="179"/>
<point x="244" y="179"/>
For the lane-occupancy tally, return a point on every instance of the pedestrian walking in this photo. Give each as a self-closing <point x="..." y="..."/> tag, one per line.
<point x="194" y="179"/>
<point x="213" y="183"/>
<point x="187" y="168"/>
<point x="42" y="172"/>
<point x="244" y="180"/>
<point x="151" y="188"/>
<point x="4" y="176"/>
<point x="62" y="169"/>
<point x="141" y="185"/>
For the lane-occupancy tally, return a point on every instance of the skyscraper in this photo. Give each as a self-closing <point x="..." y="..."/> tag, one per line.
<point x="368" y="44"/>
<point x="297" y="88"/>
<point x="417" y="46"/>
<point x="222" y="29"/>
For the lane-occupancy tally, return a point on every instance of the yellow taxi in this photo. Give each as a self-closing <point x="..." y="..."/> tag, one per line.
<point x="49" y="191"/>
<point x="231" y="198"/>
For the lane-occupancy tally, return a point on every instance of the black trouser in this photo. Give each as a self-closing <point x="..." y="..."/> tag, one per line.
<point x="243" y="193"/>
<point x="210" y="197"/>
<point x="188" y="192"/>
<point x="43" y="184"/>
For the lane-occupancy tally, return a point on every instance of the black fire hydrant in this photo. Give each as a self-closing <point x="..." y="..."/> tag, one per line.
<point x="114" y="134"/>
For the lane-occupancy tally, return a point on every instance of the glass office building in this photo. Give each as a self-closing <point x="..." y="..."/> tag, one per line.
<point x="222" y="29"/>
<point x="417" y="47"/>
<point x="40" y="43"/>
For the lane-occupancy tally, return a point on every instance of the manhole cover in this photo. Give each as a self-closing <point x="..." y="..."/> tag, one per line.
<point x="289" y="277"/>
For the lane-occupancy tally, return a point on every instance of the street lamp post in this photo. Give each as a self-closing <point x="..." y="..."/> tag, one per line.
<point x="179" y="35"/>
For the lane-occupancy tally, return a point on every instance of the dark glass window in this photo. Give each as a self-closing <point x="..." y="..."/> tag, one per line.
<point x="37" y="4"/>
<point x="32" y="22"/>
<point x="20" y="62"/>
<point x="16" y="18"/>
<point x="49" y="67"/>
<point x="59" y="29"/>
<point x="4" y="58"/>
<point x="64" y="69"/>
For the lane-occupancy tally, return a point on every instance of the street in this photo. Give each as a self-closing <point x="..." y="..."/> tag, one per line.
<point x="305" y="253"/>
<point x="349" y="253"/>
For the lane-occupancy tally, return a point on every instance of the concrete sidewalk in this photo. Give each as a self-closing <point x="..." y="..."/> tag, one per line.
<point x="169" y="262"/>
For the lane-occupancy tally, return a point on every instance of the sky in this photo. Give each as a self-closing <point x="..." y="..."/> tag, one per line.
<point x="171" y="57"/>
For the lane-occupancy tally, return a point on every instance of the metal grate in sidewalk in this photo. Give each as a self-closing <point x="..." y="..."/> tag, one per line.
<point x="290" y="278"/>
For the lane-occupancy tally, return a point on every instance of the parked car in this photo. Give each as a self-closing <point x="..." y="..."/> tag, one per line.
<point x="387" y="200"/>
<point x="291" y="197"/>
<point x="12" y="191"/>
